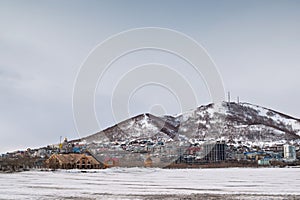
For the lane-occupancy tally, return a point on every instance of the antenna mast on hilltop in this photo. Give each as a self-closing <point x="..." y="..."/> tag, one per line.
<point x="228" y="97"/>
<point x="238" y="99"/>
<point x="228" y="103"/>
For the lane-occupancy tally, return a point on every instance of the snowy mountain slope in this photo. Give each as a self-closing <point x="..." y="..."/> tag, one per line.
<point x="139" y="127"/>
<point x="243" y="121"/>
<point x="226" y="121"/>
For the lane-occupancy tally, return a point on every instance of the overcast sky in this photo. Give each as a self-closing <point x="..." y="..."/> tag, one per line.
<point x="255" y="45"/>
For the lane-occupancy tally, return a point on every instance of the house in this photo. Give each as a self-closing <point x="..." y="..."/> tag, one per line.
<point x="111" y="162"/>
<point x="148" y="162"/>
<point x="72" y="161"/>
<point x="263" y="162"/>
<point x="276" y="148"/>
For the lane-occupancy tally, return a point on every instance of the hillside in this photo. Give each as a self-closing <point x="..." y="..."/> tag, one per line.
<point x="227" y="121"/>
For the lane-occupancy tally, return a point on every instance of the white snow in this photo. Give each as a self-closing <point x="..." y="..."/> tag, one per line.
<point x="145" y="123"/>
<point x="126" y="181"/>
<point x="288" y="121"/>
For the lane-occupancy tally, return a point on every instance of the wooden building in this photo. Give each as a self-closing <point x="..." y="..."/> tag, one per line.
<point x="72" y="161"/>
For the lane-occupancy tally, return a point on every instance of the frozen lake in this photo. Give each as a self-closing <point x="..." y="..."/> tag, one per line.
<point x="129" y="183"/>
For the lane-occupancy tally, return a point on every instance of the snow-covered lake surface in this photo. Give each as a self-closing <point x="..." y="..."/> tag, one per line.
<point x="125" y="182"/>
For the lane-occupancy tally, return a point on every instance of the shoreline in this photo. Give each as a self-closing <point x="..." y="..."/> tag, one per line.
<point x="168" y="168"/>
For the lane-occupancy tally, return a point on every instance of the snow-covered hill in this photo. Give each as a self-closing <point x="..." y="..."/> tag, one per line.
<point x="226" y="121"/>
<point x="139" y="127"/>
<point x="243" y="121"/>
